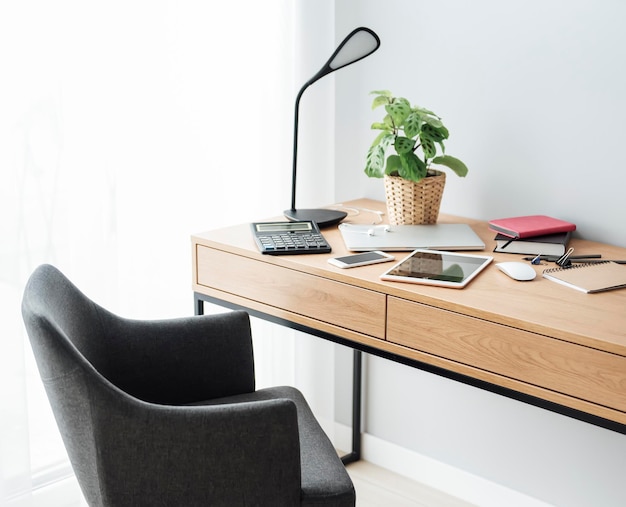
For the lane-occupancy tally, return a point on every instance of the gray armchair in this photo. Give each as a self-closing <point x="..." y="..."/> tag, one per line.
<point x="165" y="413"/>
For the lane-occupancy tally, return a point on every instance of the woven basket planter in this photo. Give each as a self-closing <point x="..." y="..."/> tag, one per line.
<point x="411" y="203"/>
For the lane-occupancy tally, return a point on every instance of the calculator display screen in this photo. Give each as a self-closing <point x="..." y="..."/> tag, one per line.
<point x="284" y="227"/>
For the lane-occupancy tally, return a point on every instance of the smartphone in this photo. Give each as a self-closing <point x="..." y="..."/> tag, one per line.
<point x="360" y="259"/>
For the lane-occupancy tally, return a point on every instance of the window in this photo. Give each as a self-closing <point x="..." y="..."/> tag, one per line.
<point x="126" y="127"/>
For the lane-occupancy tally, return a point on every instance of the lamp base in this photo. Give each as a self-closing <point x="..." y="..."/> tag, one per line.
<point x="323" y="217"/>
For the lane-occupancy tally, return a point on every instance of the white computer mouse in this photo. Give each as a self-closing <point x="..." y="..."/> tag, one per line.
<point x="517" y="270"/>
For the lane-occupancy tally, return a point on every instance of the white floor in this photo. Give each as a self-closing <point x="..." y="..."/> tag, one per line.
<point x="376" y="486"/>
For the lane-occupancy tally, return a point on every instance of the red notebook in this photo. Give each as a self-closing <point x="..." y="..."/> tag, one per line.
<point x="529" y="226"/>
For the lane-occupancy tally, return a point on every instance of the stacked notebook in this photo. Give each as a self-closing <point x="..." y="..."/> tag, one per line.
<point x="590" y="278"/>
<point x="532" y="235"/>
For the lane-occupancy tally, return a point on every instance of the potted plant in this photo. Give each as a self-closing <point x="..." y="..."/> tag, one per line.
<point x="413" y="188"/>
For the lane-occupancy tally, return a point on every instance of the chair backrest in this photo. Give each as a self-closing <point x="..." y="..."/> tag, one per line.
<point x="62" y="321"/>
<point x="99" y="369"/>
<point x="67" y="340"/>
<point x="68" y="330"/>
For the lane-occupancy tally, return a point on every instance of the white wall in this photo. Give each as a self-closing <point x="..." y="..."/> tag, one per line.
<point x="532" y="92"/>
<point x="533" y="95"/>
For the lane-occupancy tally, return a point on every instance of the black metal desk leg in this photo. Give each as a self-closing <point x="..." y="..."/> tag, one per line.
<point x="198" y="304"/>
<point x="357" y="365"/>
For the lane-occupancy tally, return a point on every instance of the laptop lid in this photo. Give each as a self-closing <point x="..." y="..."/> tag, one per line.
<point x="362" y="238"/>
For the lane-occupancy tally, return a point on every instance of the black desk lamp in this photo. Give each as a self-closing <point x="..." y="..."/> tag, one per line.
<point x="360" y="43"/>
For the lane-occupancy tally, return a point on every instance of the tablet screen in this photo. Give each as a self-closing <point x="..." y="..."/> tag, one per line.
<point x="437" y="268"/>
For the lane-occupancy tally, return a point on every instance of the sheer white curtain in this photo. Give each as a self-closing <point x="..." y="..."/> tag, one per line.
<point x="125" y="126"/>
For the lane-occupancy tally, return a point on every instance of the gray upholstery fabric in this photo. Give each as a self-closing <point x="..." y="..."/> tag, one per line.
<point x="165" y="413"/>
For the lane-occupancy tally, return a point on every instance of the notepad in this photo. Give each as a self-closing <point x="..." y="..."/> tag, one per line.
<point x="597" y="277"/>
<point x="529" y="226"/>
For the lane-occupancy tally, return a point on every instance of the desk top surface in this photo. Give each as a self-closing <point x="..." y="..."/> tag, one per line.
<point x="539" y="306"/>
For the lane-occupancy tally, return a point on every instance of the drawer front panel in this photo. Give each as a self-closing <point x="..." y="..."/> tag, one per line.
<point x="567" y="368"/>
<point x="336" y="303"/>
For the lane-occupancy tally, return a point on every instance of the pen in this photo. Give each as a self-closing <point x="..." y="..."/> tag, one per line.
<point x="552" y="258"/>
<point x="582" y="261"/>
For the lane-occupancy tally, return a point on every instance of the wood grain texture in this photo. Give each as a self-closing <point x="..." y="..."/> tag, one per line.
<point x="582" y="372"/>
<point x="354" y="308"/>
<point x="538" y="338"/>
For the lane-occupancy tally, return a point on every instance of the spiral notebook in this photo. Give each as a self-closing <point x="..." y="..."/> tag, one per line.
<point x="596" y="277"/>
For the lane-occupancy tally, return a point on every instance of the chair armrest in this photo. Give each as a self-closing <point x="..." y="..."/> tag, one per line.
<point x="161" y="455"/>
<point x="180" y="361"/>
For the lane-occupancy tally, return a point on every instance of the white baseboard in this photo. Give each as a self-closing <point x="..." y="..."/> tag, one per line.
<point x="435" y="474"/>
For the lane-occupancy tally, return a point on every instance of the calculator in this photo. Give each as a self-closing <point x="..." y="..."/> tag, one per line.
<point x="289" y="238"/>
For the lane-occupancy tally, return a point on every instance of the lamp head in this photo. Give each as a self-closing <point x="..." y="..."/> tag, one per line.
<point x="359" y="44"/>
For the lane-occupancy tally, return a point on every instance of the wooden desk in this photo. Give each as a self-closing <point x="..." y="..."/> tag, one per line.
<point x="538" y="341"/>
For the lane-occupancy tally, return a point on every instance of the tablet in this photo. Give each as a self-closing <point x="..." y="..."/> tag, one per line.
<point x="433" y="267"/>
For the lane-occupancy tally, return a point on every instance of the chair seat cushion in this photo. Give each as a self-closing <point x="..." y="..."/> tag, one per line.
<point x="324" y="477"/>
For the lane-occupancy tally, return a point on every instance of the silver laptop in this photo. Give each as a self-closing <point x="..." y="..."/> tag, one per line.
<point x="363" y="238"/>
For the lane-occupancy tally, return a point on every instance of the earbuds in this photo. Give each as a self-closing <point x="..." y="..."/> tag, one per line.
<point x="371" y="231"/>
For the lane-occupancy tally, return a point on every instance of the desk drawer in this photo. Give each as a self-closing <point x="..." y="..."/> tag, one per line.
<point x="336" y="303"/>
<point x="570" y="369"/>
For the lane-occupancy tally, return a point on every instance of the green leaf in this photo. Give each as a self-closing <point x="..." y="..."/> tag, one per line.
<point x="385" y="93"/>
<point x="413" y="168"/>
<point x="435" y="134"/>
<point x="384" y="97"/>
<point x="375" y="161"/>
<point x="379" y="101"/>
<point x="424" y="111"/>
<point x="394" y="166"/>
<point x="386" y="139"/>
<point x="380" y="126"/>
<point x="380" y="138"/>
<point x="435" y="122"/>
<point x="398" y="111"/>
<point x="403" y="145"/>
<point x="428" y="147"/>
<point x="402" y="100"/>
<point x="387" y="120"/>
<point x="452" y="163"/>
<point x="413" y="124"/>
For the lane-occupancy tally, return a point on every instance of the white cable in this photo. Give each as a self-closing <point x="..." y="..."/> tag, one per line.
<point x="358" y="210"/>
<point x="370" y="231"/>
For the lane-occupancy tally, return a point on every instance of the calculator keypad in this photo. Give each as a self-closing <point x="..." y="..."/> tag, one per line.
<point x="288" y="238"/>
<point x="293" y="243"/>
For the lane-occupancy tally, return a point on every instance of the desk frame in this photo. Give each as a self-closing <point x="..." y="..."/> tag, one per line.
<point x="357" y="367"/>
<point x="546" y="345"/>
<point x="357" y="362"/>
